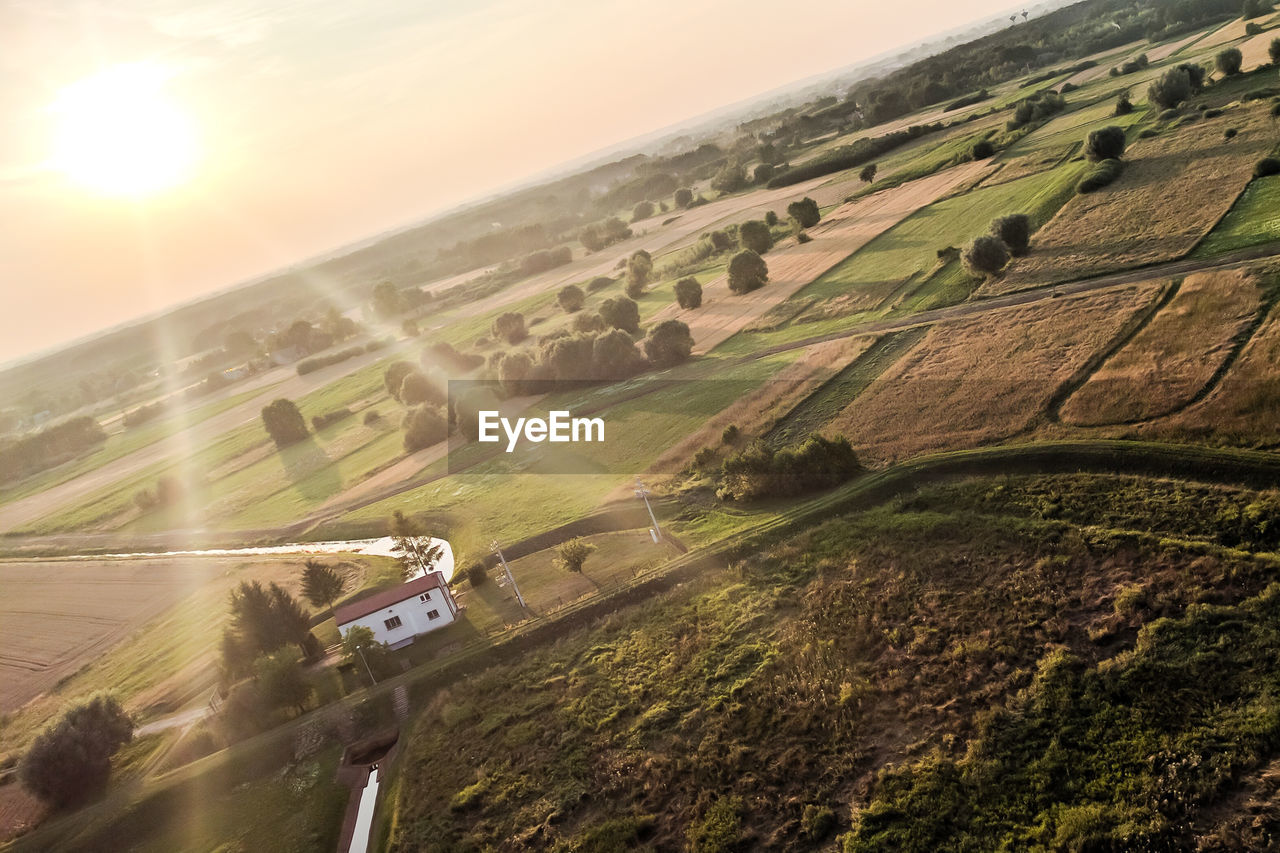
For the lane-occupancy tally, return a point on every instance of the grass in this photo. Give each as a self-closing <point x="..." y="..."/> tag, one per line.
<point x="1253" y="220"/>
<point x="868" y="642"/>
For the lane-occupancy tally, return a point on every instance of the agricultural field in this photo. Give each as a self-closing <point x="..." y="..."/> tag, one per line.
<point x="764" y="706"/>
<point x="1252" y="221"/>
<point x="1171" y="359"/>
<point x="979" y="381"/>
<point x="138" y="626"/>
<point x="1172" y="193"/>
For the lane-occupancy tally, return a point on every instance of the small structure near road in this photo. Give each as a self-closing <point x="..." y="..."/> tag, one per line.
<point x="398" y="615"/>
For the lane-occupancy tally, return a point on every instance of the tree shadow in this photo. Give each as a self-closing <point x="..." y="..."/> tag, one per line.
<point x="311" y="471"/>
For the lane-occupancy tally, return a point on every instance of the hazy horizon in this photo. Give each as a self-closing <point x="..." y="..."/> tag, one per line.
<point x="309" y="127"/>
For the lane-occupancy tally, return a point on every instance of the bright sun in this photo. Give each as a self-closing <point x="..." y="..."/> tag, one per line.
<point x="118" y="134"/>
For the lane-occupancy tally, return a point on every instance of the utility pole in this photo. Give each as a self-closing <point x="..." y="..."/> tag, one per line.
<point x="366" y="666"/>
<point x="510" y="578"/>
<point x="642" y="492"/>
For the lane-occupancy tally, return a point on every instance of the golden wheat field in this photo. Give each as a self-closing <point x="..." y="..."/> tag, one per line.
<point x="1172" y="358"/>
<point x="981" y="380"/>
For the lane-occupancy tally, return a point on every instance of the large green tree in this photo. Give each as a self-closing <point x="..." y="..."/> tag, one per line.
<point x="322" y="583"/>
<point x="71" y="758"/>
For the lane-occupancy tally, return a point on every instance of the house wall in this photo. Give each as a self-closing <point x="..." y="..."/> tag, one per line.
<point x="413" y="618"/>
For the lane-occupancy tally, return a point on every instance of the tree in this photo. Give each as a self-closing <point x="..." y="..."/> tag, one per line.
<point x="322" y="584"/>
<point x="730" y="178"/>
<point x="1014" y="231"/>
<point x="805" y="212"/>
<point x="1255" y="8"/>
<point x="1107" y="143"/>
<point x="639" y="267"/>
<point x="509" y="326"/>
<point x="386" y="301"/>
<point x="642" y="210"/>
<point x="424" y="426"/>
<point x="1170" y="88"/>
<point x="571" y="298"/>
<point x="668" y="344"/>
<point x="614" y="356"/>
<point x="1124" y="106"/>
<point x="281" y="682"/>
<point x="362" y="650"/>
<point x="394" y="375"/>
<point x="689" y="293"/>
<point x="621" y="312"/>
<point x="1195" y="75"/>
<point x="684" y="197"/>
<point x="416" y="388"/>
<point x="868" y="173"/>
<point x="1228" y="61"/>
<point x="417" y="552"/>
<point x="982" y="149"/>
<point x="573" y="554"/>
<point x="266" y="618"/>
<point x="986" y="256"/>
<point x="770" y="218"/>
<point x="71" y="759"/>
<point x="1273" y="50"/>
<point x="762" y="173"/>
<point x="754" y="235"/>
<point x="747" y="272"/>
<point x="284" y="423"/>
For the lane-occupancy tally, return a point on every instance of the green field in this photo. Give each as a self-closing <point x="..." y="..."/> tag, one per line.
<point x="1252" y="221"/>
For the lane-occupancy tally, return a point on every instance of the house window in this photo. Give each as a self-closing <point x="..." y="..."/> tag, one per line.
<point x="433" y="614"/>
<point x="426" y="596"/>
<point x="392" y="623"/>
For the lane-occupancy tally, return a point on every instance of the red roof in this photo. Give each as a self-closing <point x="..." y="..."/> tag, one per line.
<point x="353" y="611"/>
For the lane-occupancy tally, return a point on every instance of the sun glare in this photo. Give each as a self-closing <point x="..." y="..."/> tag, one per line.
<point x="118" y="134"/>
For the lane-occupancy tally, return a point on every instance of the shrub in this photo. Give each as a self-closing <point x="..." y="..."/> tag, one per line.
<point x="770" y="218"/>
<point x="1252" y="29"/>
<point x="704" y="458"/>
<point x="1273" y="50"/>
<point x="71" y="759"/>
<point x="372" y="418"/>
<point x="571" y="298"/>
<point x="589" y="323"/>
<point x="416" y="388"/>
<point x="802" y="237"/>
<point x="1148" y="133"/>
<point x="754" y="235"/>
<point x="284" y="422"/>
<point x="614" y="356"/>
<point x="572" y="555"/>
<point x="600" y="282"/>
<point x="868" y="173"/>
<point x="1124" y="106"/>
<point x="731" y="434"/>
<point x="509" y="326"/>
<point x="1228" y="61"/>
<point x="1212" y="113"/>
<point x="1014" y="231"/>
<point x="668" y="344"/>
<point x="642" y="210"/>
<point x="1107" y="143"/>
<point x="1100" y="176"/>
<point x="1266" y="167"/>
<point x="817" y="821"/>
<point x="319" y="422"/>
<point x="982" y="149"/>
<point x="720" y="241"/>
<point x="730" y="178"/>
<point x="985" y="256"/>
<point x="688" y="293"/>
<point x="763" y="472"/>
<point x="747" y="272"/>
<point x="762" y="173"/>
<point x="639" y="268"/>
<point x="424" y="426"/>
<point x="1170" y="88"/>
<point x="683" y="197"/>
<point x="621" y="313"/>
<point x="1230" y="133"/>
<point x="720" y="829"/>
<point x="805" y="212"/>
<point x="476" y="575"/>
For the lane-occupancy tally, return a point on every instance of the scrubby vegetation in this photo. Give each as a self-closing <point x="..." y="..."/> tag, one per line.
<point x="51" y="446"/>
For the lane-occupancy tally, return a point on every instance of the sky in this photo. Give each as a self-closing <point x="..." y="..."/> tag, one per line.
<point x="309" y="125"/>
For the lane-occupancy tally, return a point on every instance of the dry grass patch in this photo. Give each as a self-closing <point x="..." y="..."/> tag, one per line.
<point x="1172" y="192"/>
<point x="981" y="380"/>
<point x="1245" y="408"/>
<point x="1171" y="359"/>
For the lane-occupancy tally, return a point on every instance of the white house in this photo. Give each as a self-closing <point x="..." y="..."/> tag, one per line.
<point x="399" y="614"/>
